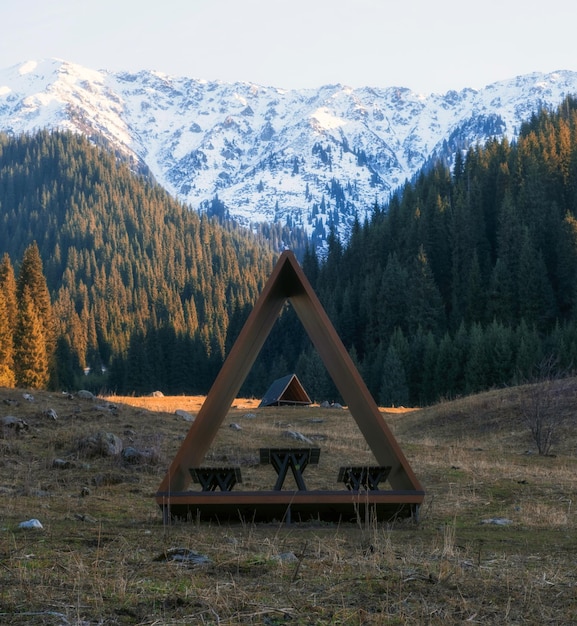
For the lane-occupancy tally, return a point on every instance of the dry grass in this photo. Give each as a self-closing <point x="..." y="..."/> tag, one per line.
<point x="98" y="559"/>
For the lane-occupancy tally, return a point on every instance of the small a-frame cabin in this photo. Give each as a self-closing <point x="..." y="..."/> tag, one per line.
<point x="361" y="495"/>
<point x="287" y="390"/>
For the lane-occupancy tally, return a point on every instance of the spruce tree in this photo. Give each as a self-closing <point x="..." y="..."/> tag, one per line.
<point x="8" y="288"/>
<point x="31" y="280"/>
<point x="7" y="377"/>
<point x="30" y="356"/>
<point x="394" y="389"/>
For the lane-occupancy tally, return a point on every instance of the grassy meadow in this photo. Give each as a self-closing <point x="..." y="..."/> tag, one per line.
<point x="496" y="542"/>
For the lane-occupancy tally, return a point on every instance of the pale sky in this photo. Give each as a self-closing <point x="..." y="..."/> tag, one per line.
<point x="426" y="45"/>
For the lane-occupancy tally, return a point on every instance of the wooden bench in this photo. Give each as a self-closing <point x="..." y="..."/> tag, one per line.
<point x="363" y="476"/>
<point x="213" y="478"/>
<point x="294" y="458"/>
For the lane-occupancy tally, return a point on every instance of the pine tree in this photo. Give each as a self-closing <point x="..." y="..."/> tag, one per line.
<point x="7" y="377"/>
<point x="499" y="352"/>
<point x="426" y="305"/>
<point x="446" y="368"/>
<point x="31" y="279"/>
<point x="528" y="352"/>
<point x="535" y="296"/>
<point x="30" y="356"/>
<point x="477" y="367"/>
<point x="8" y="288"/>
<point x="394" y="390"/>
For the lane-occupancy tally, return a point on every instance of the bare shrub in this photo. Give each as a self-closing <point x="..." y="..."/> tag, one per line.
<point x="541" y="404"/>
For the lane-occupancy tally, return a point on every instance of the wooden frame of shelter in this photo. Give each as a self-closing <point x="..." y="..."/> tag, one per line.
<point x="288" y="282"/>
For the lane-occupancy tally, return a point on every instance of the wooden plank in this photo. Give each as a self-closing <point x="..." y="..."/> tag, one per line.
<point x="299" y="506"/>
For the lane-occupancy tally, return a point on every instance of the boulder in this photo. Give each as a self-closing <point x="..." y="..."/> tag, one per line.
<point x="100" y="444"/>
<point x="31" y="524"/>
<point x="293" y="434"/>
<point x="85" y="394"/>
<point x="14" y="423"/>
<point x="134" y="456"/>
<point x="186" y="416"/>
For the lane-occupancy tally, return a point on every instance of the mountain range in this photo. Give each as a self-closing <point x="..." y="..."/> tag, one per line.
<point x="311" y="158"/>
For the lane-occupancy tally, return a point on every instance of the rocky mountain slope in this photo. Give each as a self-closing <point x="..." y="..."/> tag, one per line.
<point x="311" y="158"/>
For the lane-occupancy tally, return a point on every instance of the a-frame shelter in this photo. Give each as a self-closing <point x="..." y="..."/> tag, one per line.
<point x="285" y="390"/>
<point x="288" y="282"/>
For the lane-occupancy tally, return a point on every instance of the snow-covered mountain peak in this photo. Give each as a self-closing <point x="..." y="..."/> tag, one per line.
<point x="312" y="157"/>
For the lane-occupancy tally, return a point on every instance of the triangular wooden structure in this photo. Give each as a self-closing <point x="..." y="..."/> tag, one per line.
<point x="285" y="390"/>
<point x="288" y="282"/>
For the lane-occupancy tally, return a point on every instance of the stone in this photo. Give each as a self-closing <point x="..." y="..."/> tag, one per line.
<point x="286" y="557"/>
<point x="498" y="521"/>
<point x="83" y="517"/>
<point x="84" y="394"/>
<point x="106" y="408"/>
<point x="184" y="556"/>
<point x="186" y="416"/>
<point x="62" y="464"/>
<point x="31" y="524"/>
<point x="134" y="456"/>
<point x="14" y="423"/>
<point x="294" y="434"/>
<point x="101" y="444"/>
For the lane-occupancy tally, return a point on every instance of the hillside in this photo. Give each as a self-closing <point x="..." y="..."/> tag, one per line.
<point x="124" y="261"/>
<point x="495" y="541"/>
<point x="311" y="158"/>
<point x="465" y="281"/>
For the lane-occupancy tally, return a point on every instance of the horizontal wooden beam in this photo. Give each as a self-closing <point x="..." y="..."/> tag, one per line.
<point x="297" y="505"/>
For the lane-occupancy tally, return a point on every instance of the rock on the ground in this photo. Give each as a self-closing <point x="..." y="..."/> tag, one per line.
<point x="100" y="444"/>
<point x="14" y="423"/>
<point x="294" y="434"/>
<point x="134" y="456"/>
<point x="31" y="524"/>
<point x="186" y="416"/>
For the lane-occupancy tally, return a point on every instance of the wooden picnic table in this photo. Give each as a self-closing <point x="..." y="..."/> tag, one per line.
<point x="295" y="459"/>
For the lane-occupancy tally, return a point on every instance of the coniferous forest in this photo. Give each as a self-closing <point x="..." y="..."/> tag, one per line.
<point x="141" y="288"/>
<point x="465" y="281"/>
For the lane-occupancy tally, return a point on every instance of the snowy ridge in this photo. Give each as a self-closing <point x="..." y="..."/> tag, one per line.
<point x="311" y="157"/>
